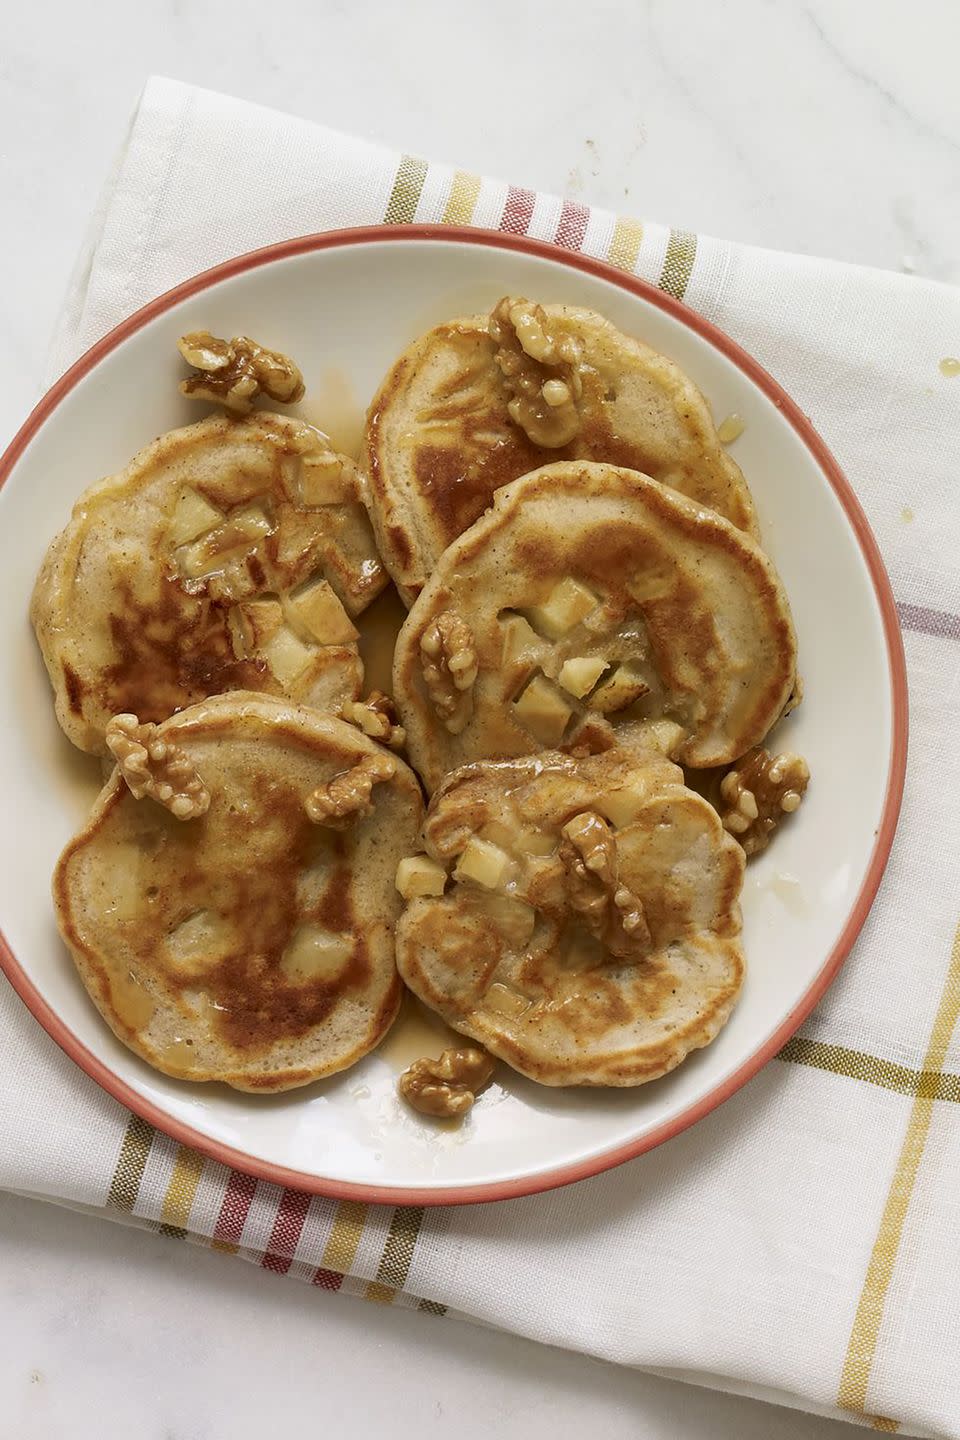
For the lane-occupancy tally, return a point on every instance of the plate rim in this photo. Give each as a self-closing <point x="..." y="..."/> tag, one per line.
<point x="566" y="1174"/>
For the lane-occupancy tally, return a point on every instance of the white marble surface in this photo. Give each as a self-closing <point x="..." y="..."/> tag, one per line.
<point x="831" y="128"/>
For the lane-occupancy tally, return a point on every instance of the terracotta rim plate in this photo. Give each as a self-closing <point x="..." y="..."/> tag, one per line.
<point x="344" y="304"/>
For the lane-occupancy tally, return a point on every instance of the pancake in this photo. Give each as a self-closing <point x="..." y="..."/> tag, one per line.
<point x="462" y="412"/>
<point x="587" y="603"/>
<point x="578" y="917"/>
<point x="236" y="923"/>
<point x="228" y="555"/>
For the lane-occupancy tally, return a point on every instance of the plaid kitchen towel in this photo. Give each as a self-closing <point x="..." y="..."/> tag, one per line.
<point x="802" y="1243"/>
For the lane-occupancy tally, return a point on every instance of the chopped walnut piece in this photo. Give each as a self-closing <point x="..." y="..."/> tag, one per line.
<point x="234" y="372"/>
<point x="588" y="855"/>
<point x="450" y="663"/>
<point x="631" y="918"/>
<point x="609" y="910"/>
<point x="757" y="792"/>
<point x="447" y="1087"/>
<point x="541" y="372"/>
<point x="377" y="717"/>
<point x="156" y="767"/>
<point x="592" y="839"/>
<point x="347" y="797"/>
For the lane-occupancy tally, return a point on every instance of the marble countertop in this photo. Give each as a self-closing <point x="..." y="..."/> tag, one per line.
<point x="798" y="126"/>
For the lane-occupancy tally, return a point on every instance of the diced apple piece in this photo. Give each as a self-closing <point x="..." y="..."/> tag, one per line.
<point x="542" y="710"/>
<point x="419" y="875"/>
<point x="296" y="539"/>
<point x="315" y="954"/>
<point x="357" y="569"/>
<point x="126" y="872"/>
<point x="198" y="943"/>
<point x="253" y="624"/>
<point x="567" y="604"/>
<point x="581" y="673"/>
<point x="622" y="807"/>
<point x="238" y="531"/>
<point x="504" y="1001"/>
<point x="287" y="656"/>
<point x="192" y="516"/>
<point x="484" y="863"/>
<point x="316" y="607"/>
<point x="519" y="837"/>
<point x="624" y="686"/>
<point x="499" y="834"/>
<point x="535" y="842"/>
<point x="605" y="618"/>
<point x="519" y="639"/>
<point x="664" y="736"/>
<point x="325" y="479"/>
<point x="513" y="918"/>
<point x="238" y="534"/>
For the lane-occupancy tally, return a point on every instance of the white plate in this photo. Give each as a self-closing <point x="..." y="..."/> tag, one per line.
<point x="344" y="305"/>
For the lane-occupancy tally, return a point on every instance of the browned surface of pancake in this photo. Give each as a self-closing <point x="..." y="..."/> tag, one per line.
<point x="440" y="441"/>
<point x="604" y="973"/>
<point x="675" y="597"/>
<point x="187" y="575"/>
<point x="247" y="945"/>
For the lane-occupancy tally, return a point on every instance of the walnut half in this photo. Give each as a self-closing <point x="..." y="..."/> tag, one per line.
<point x="447" y="1087"/>
<point x="234" y="372"/>
<point x="450" y="663"/>
<point x="157" y="768"/>
<point x="609" y="910"/>
<point x="758" y="792"/>
<point x="541" y="372"/>
<point x="377" y="717"/>
<point x="347" y="797"/>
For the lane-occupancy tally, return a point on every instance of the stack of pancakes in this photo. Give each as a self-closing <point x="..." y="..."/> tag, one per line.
<point x="589" y="610"/>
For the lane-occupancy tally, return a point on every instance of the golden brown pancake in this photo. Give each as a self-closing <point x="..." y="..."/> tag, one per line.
<point x="578" y="917"/>
<point x="228" y="555"/>
<point x="462" y="413"/>
<point x="588" y="602"/>
<point x="236" y="923"/>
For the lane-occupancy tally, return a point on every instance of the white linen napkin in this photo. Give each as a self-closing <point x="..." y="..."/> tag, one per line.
<point x="800" y="1244"/>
